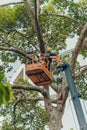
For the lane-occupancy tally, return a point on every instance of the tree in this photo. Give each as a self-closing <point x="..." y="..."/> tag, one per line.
<point x="37" y="25"/>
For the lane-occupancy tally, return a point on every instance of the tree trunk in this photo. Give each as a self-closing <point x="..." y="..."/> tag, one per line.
<point x="55" y="112"/>
<point x="55" y="122"/>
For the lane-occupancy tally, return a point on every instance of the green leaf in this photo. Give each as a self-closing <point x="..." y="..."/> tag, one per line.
<point x="6" y="93"/>
<point x="9" y="89"/>
<point x="1" y="97"/>
<point x="1" y="77"/>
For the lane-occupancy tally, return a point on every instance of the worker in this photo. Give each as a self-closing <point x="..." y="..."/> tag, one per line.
<point x="49" y="53"/>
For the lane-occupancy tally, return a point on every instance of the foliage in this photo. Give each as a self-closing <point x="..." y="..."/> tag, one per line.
<point x="82" y="85"/>
<point x="27" y="114"/>
<point x="5" y="91"/>
<point x="7" y="16"/>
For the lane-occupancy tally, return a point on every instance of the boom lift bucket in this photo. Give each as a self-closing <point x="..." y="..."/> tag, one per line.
<point x="38" y="72"/>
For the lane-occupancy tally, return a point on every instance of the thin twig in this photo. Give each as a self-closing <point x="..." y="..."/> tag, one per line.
<point x="59" y="15"/>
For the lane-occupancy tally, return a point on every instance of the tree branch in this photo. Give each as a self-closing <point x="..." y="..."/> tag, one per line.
<point x="4" y="41"/>
<point x="35" y="88"/>
<point x="55" y="88"/>
<point x="78" y="47"/>
<point x="37" y="26"/>
<point x="38" y="31"/>
<point x="38" y="8"/>
<point x="81" y="71"/>
<point x="64" y="16"/>
<point x="17" y="50"/>
<point x="36" y="99"/>
<point x="28" y="5"/>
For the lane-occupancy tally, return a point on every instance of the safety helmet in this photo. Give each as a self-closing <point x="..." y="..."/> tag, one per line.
<point x="49" y="49"/>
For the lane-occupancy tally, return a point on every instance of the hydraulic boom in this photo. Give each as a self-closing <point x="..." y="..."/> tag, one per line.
<point x="75" y="96"/>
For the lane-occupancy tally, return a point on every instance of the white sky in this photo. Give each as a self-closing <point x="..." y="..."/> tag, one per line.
<point x="8" y="1"/>
<point x="68" y="121"/>
<point x="71" y="44"/>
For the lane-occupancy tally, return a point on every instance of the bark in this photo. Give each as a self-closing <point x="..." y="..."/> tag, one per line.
<point x="38" y="31"/>
<point x="85" y="44"/>
<point x="55" y="119"/>
<point x="81" y="71"/>
<point x="37" y="26"/>
<point x="35" y="88"/>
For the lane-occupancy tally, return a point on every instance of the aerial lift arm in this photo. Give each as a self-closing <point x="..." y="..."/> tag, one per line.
<point x="75" y="96"/>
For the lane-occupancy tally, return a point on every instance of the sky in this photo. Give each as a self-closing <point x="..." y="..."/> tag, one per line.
<point x="8" y="1"/>
<point x="69" y="118"/>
